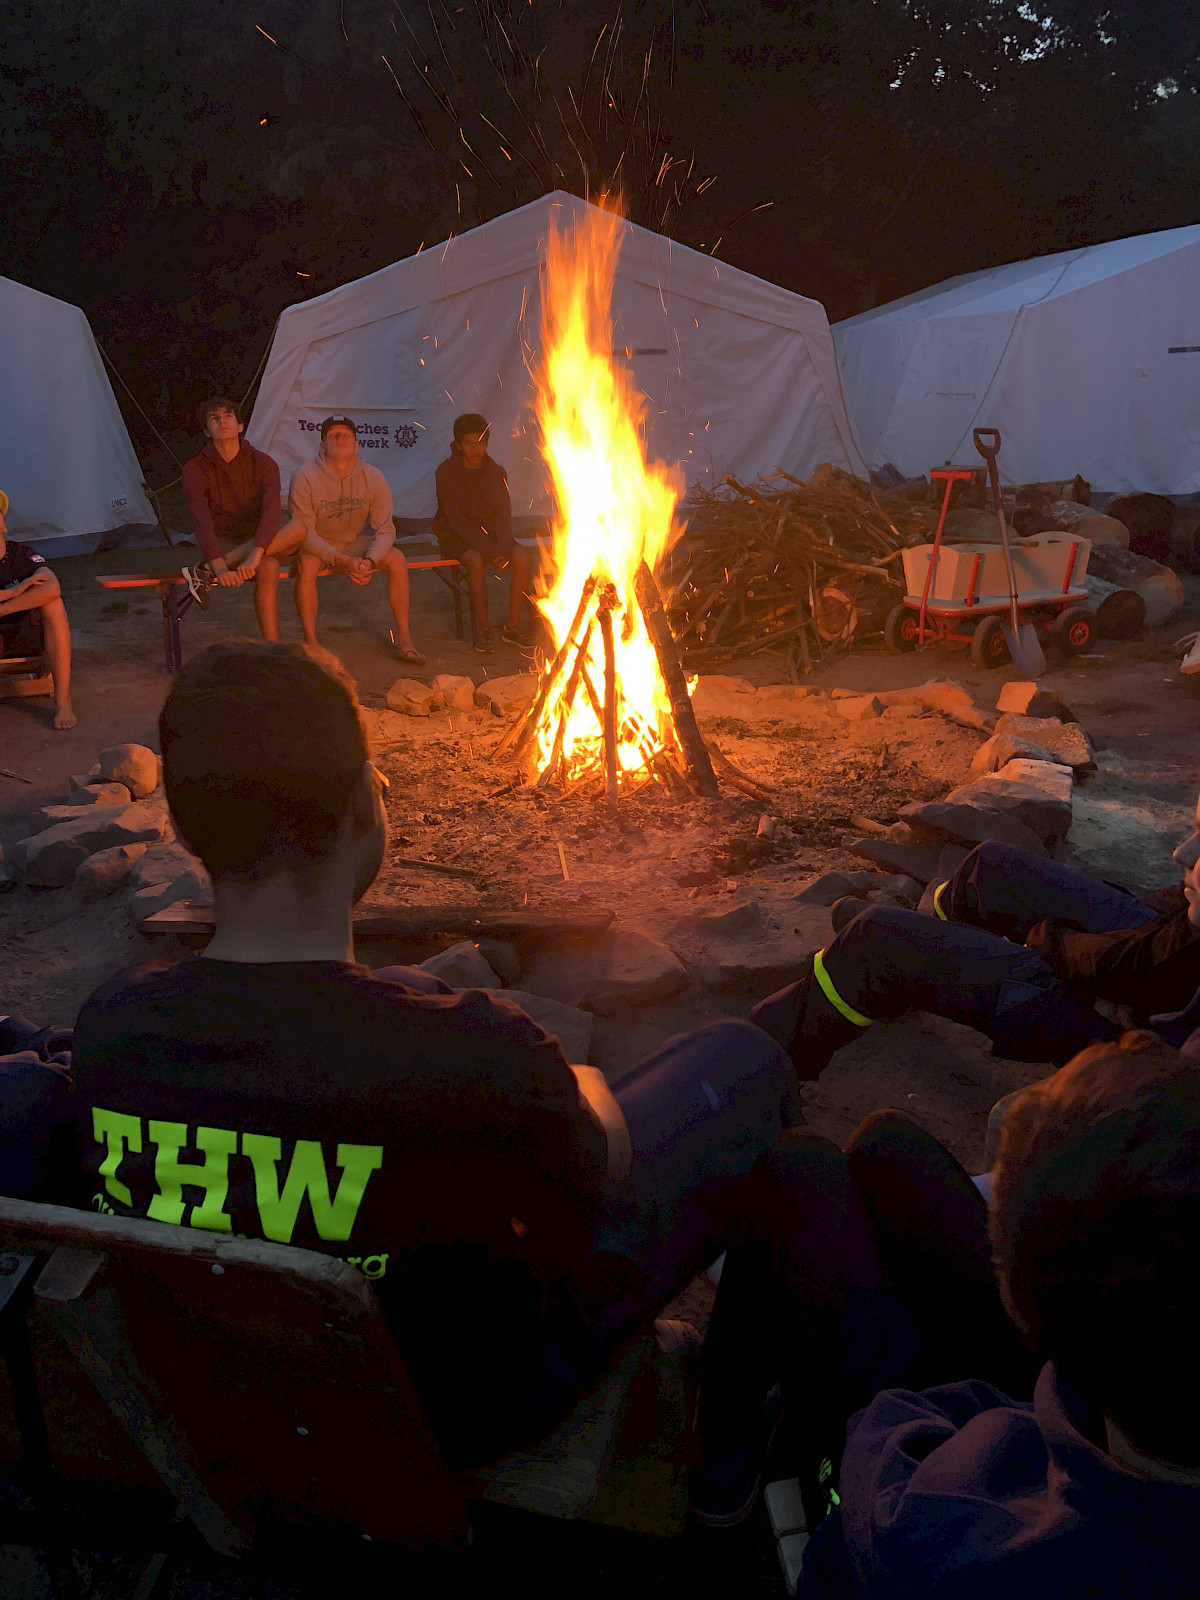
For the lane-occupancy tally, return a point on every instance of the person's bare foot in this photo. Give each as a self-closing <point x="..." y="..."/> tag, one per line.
<point x="64" y="718"/>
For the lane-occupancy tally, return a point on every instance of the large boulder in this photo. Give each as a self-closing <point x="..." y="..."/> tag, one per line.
<point x="617" y="970"/>
<point x="134" y="765"/>
<point x="919" y="861"/>
<point x="462" y="966"/>
<point x="50" y="859"/>
<point x="1066" y="741"/>
<point x="163" y="863"/>
<point x="831" y="886"/>
<point x="969" y="824"/>
<point x="107" y="871"/>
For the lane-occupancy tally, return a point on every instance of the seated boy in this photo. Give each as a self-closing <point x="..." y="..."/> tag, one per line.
<point x="474" y="525"/>
<point x="1092" y="1490"/>
<point x="341" y="515"/>
<point x="1017" y="946"/>
<point x="513" y="1214"/>
<point x="232" y="492"/>
<point x="27" y="585"/>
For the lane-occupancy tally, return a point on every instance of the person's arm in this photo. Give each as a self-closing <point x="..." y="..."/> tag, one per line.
<point x="195" y="492"/>
<point x="456" y="516"/>
<point x="602" y="1103"/>
<point x="1155" y="967"/>
<point x="271" y="503"/>
<point x="502" y="532"/>
<point x="32" y="591"/>
<point x="379" y="518"/>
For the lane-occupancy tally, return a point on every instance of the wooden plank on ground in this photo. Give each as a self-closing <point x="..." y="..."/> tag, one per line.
<point x="478" y="922"/>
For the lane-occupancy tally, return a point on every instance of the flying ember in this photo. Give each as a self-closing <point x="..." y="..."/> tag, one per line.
<point x="605" y="707"/>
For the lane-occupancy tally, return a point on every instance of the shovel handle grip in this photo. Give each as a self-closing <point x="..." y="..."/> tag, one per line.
<point x="987" y="442"/>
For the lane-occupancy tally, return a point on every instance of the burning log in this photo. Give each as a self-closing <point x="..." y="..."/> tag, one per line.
<point x="695" y="752"/>
<point x="608" y="600"/>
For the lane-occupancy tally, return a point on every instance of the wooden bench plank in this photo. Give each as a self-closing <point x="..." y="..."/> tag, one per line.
<point x="151" y="580"/>
<point x="480" y="922"/>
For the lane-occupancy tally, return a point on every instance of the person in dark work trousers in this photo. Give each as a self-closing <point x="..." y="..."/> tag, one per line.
<point x="1019" y="947"/>
<point x="473" y="525"/>
<point x="515" y="1215"/>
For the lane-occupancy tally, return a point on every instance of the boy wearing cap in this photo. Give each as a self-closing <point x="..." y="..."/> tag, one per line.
<point x="232" y="491"/>
<point x="342" y="510"/>
<point x="26" y="585"/>
<point x="474" y="525"/>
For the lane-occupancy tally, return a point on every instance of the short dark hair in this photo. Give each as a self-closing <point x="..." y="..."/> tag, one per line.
<point x="262" y="745"/>
<point x="1096" y="1233"/>
<point x="219" y="402"/>
<point x="470" y="422"/>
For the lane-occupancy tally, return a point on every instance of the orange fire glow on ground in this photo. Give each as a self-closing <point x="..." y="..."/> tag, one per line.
<point x="615" y="512"/>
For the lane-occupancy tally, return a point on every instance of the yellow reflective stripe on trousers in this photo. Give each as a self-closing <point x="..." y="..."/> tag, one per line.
<point x="833" y="996"/>
<point x="937" y="900"/>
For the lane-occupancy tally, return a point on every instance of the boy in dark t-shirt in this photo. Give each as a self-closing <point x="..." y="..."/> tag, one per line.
<point x="500" y="1200"/>
<point x="28" y="586"/>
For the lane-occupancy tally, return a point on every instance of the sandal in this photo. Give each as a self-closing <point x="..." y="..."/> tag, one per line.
<point x="411" y="657"/>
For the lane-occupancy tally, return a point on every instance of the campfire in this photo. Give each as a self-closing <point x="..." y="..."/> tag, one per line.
<point x="612" y="708"/>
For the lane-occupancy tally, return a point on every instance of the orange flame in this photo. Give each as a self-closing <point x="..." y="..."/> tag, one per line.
<point x="615" y="510"/>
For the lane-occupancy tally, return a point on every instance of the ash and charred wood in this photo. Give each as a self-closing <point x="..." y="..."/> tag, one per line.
<point x="695" y="752"/>
<point x="740" y="780"/>
<point x="521" y="732"/>
<point x="564" y="707"/>
<point x="440" y="866"/>
<point x="608" y="600"/>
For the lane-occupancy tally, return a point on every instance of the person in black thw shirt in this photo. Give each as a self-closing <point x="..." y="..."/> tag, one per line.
<point x="515" y="1216"/>
<point x="28" y="585"/>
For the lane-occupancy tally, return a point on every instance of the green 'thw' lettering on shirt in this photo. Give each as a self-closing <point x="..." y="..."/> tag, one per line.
<point x="116" y="1130"/>
<point x="278" y="1209"/>
<point x="211" y="1175"/>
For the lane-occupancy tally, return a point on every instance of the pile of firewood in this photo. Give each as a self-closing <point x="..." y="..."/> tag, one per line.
<point x="788" y="566"/>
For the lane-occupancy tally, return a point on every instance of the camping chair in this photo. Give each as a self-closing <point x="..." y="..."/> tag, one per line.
<point x="262" y="1388"/>
<point x="24" y="664"/>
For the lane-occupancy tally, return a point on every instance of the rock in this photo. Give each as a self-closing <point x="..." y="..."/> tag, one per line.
<point x="970" y="824"/>
<point x="901" y="887"/>
<point x="1030" y="700"/>
<point x="454" y="693"/>
<point x="831" y="886"/>
<point x="100" y="794"/>
<point x="1159" y="587"/>
<point x="1065" y="741"/>
<point x="107" y="871"/>
<point x="621" y="968"/>
<point x="782" y="699"/>
<point x="502" y="958"/>
<point x="412" y="697"/>
<point x="1185" y="537"/>
<point x="163" y="863"/>
<point x="158" y="896"/>
<point x="913" y="860"/>
<point x="761" y="962"/>
<point x="862" y="708"/>
<point x="501" y="696"/>
<point x="1002" y="748"/>
<point x="952" y="699"/>
<point x="133" y="765"/>
<point x="721" y="696"/>
<point x="49" y="859"/>
<point x="1039" y="804"/>
<point x="569" y="1025"/>
<point x="82" y="779"/>
<point x="462" y="966"/>
<point x="390" y="726"/>
<point x="745" y="916"/>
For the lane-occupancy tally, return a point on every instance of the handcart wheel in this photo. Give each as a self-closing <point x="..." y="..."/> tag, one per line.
<point x="1073" y="632"/>
<point x="902" y="630"/>
<point x="989" y="647"/>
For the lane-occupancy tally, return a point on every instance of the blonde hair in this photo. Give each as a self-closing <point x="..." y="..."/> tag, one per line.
<point x="3" y="504"/>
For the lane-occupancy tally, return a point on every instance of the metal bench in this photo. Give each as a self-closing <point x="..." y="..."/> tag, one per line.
<point x="174" y="604"/>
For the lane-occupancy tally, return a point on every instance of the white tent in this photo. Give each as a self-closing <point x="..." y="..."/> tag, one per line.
<point x="66" y="462"/>
<point x="740" y="375"/>
<point x="1087" y="362"/>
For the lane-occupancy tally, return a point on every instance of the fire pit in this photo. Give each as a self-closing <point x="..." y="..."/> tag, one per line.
<point x="612" y="709"/>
